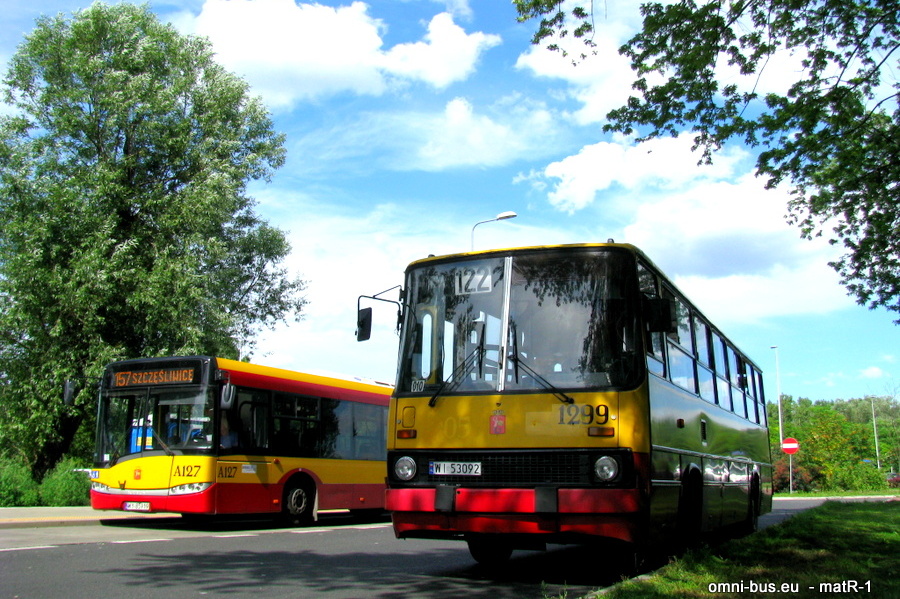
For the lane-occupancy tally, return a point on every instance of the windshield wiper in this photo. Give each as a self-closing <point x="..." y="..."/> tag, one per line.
<point x="476" y="356"/>
<point x="529" y="370"/>
<point x="544" y="382"/>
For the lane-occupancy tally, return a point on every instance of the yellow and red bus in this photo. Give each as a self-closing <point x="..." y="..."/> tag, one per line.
<point x="563" y="394"/>
<point x="206" y="435"/>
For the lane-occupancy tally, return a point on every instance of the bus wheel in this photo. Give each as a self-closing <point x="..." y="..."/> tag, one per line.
<point x="489" y="551"/>
<point x="299" y="499"/>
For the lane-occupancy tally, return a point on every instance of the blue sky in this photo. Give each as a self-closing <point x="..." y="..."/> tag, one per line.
<point x="408" y="122"/>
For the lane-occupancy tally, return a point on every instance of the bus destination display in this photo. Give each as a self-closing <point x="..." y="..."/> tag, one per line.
<point x="162" y="376"/>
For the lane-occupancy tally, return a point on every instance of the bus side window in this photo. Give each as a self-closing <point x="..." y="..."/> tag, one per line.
<point x="761" y="400"/>
<point x="735" y="376"/>
<point x="253" y="408"/>
<point x="723" y="388"/>
<point x="752" y="404"/>
<point x="680" y="350"/>
<point x="655" y="340"/>
<point x="369" y="422"/>
<point x="706" y="380"/>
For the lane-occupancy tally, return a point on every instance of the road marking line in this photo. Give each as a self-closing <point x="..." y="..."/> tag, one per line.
<point x="139" y="541"/>
<point x="32" y="547"/>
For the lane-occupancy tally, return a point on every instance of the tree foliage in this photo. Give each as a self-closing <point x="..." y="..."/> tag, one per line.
<point x="125" y="225"/>
<point x="837" y="442"/>
<point x="833" y="136"/>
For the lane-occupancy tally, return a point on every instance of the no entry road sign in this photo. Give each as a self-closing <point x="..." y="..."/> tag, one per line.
<point x="790" y="445"/>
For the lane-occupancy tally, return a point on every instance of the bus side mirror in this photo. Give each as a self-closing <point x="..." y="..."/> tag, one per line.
<point x="659" y="313"/>
<point x="227" y="397"/>
<point x="364" y="324"/>
<point x="69" y="392"/>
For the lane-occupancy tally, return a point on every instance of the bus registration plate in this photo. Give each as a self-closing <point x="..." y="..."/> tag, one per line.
<point x="137" y="506"/>
<point x="454" y="468"/>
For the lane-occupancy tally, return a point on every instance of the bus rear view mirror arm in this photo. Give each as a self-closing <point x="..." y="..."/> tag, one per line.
<point x="364" y="315"/>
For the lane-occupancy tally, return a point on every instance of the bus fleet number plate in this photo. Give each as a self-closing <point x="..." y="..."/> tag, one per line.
<point x="455" y="468"/>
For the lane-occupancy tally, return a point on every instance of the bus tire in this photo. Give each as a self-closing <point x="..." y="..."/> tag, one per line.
<point x="299" y="501"/>
<point x="489" y="550"/>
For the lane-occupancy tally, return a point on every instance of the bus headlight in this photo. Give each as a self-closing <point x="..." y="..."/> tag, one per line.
<point x="405" y="468"/>
<point x="606" y="468"/>
<point x="189" y="488"/>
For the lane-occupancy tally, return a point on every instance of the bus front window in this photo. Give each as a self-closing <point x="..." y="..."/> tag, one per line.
<point x="528" y="322"/>
<point x="573" y="321"/>
<point x="185" y="419"/>
<point x="453" y="337"/>
<point x="141" y="420"/>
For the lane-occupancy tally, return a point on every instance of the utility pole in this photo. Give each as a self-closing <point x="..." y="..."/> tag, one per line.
<point x="875" y="428"/>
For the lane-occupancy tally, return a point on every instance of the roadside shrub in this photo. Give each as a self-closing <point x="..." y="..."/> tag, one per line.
<point x="860" y="476"/>
<point x="17" y="488"/>
<point x="64" y="486"/>
<point x="804" y="480"/>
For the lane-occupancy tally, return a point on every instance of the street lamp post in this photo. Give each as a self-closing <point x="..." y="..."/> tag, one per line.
<point x="778" y="391"/>
<point x="501" y="216"/>
<point x="780" y="422"/>
<point x="875" y="428"/>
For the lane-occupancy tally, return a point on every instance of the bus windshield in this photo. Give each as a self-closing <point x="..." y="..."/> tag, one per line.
<point x="159" y="420"/>
<point x="523" y="322"/>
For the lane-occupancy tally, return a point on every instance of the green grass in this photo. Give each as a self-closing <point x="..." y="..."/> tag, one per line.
<point x="830" y="544"/>
<point x="884" y="492"/>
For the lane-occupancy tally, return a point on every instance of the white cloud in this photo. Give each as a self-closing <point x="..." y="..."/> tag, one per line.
<point x="715" y="229"/>
<point x="666" y="163"/>
<point x="292" y="52"/>
<point x="458" y="8"/>
<point x="872" y="372"/>
<point x="598" y="83"/>
<point x="447" y="55"/>
<point x="459" y="135"/>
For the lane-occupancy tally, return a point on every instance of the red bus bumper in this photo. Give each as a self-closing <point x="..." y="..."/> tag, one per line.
<point x="191" y="503"/>
<point x="609" y="513"/>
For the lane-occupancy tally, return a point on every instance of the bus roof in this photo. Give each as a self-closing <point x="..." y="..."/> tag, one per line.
<point x="331" y="380"/>
<point x="610" y="243"/>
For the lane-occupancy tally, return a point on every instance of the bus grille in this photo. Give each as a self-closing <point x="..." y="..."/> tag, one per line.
<point x="520" y="468"/>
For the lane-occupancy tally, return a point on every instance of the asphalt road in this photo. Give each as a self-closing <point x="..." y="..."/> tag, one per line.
<point x="339" y="558"/>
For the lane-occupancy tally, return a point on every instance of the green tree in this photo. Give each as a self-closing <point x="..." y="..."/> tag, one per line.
<point x="125" y="225"/>
<point x="833" y="137"/>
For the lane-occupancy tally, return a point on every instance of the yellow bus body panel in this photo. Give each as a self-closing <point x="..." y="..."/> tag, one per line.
<point x="537" y="420"/>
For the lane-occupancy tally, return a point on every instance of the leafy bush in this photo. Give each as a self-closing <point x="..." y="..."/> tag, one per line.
<point x="17" y="488"/>
<point x="65" y="486"/>
<point x="859" y="476"/>
<point x="804" y="479"/>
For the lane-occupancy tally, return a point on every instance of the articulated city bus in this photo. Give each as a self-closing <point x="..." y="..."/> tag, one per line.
<point x="205" y="435"/>
<point x="562" y="394"/>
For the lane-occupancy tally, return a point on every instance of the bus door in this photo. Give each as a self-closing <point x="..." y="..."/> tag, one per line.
<point x="248" y="478"/>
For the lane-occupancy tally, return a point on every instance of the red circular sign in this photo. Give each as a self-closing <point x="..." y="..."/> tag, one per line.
<point x="790" y="445"/>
